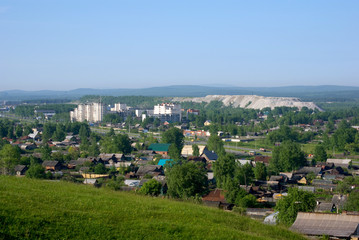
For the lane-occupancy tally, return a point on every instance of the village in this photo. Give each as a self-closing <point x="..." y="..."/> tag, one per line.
<point x="127" y="157"/>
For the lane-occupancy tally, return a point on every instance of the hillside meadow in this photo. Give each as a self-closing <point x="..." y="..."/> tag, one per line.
<point x="38" y="209"/>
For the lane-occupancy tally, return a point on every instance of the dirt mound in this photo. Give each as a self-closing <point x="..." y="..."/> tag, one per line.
<point x="252" y="101"/>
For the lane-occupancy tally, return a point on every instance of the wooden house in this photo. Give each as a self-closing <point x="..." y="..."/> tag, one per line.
<point x="51" y="165"/>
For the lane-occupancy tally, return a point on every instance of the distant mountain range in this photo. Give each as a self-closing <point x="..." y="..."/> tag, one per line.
<point x="306" y="93"/>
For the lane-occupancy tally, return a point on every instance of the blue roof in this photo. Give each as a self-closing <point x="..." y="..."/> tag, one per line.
<point x="164" y="161"/>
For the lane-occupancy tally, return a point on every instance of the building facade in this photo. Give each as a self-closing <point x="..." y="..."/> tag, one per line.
<point x="168" y="112"/>
<point x="119" y="107"/>
<point x="92" y="112"/>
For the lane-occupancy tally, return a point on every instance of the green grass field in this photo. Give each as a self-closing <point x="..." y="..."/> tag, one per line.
<point x="38" y="209"/>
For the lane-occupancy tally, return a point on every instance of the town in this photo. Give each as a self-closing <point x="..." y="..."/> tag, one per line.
<point x="294" y="166"/>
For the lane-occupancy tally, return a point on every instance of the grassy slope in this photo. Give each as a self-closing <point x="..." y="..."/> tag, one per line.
<point x="38" y="209"/>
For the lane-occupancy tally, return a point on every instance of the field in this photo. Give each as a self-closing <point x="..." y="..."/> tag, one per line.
<point x="38" y="209"/>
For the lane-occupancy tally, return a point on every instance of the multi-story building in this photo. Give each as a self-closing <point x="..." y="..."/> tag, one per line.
<point x="91" y="112"/>
<point x="119" y="107"/>
<point x="168" y="112"/>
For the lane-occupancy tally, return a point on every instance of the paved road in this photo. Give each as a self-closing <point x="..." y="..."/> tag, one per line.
<point x="232" y="148"/>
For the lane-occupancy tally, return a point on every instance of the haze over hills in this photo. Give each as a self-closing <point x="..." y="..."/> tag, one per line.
<point x="306" y="93"/>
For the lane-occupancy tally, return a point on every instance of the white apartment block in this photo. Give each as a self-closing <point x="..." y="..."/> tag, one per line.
<point x="92" y="112"/>
<point x="168" y="112"/>
<point x="119" y="107"/>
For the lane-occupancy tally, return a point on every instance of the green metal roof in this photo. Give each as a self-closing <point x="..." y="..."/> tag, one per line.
<point x="159" y="147"/>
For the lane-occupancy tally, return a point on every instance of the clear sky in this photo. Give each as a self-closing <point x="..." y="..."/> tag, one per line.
<point x="68" y="44"/>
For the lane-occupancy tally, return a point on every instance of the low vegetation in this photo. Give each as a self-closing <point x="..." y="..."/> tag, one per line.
<point x="35" y="209"/>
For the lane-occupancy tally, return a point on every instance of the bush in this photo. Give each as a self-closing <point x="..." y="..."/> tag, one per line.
<point x="36" y="171"/>
<point x="152" y="187"/>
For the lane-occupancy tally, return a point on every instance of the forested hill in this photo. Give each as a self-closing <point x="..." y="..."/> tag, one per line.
<point x="306" y="93"/>
<point x="38" y="209"/>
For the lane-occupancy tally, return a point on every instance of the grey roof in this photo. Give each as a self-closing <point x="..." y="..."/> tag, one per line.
<point x="90" y="181"/>
<point x="306" y="170"/>
<point x="20" y="168"/>
<point x="106" y="156"/>
<point x="211" y="155"/>
<point x="324" y="207"/>
<point x="339" y="200"/>
<point x="307" y="188"/>
<point x="84" y="169"/>
<point x="50" y="163"/>
<point x="338" y="225"/>
<point x="143" y="170"/>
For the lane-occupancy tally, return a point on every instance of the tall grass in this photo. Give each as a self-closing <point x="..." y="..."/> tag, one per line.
<point x="35" y="209"/>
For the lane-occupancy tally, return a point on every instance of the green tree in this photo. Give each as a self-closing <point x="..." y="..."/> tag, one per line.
<point x="10" y="132"/>
<point x="152" y="187"/>
<point x="186" y="180"/>
<point x="248" y="201"/>
<point x="74" y="152"/>
<point x="18" y="131"/>
<point x="287" y="157"/>
<point x="94" y="149"/>
<point x="27" y="130"/>
<point x="174" y="152"/>
<point x="353" y="202"/>
<point x="233" y="191"/>
<point x="195" y="150"/>
<point x="320" y="154"/>
<point x="224" y="168"/>
<point x="48" y="131"/>
<point x="9" y="157"/>
<point x="175" y="136"/>
<point x="45" y="152"/>
<point x="100" y="169"/>
<point x="116" y="144"/>
<point x="111" y="133"/>
<point x="59" y="134"/>
<point x="36" y="171"/>
<point x="215" y="143"/>
<point x="84" y="133"/>
<point x="244" y="174"/>
<point x="260" y="171"/>
<point x="57" y="156"/>
<point x="296" y="201"/>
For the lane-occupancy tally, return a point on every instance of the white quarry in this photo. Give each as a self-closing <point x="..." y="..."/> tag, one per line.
<point x="251" y="101"/>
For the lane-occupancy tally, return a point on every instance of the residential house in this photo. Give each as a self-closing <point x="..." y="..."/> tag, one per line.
<point x="162" y="162"/>
<point x="323" y="207"/>
<point x="27" y="146"/>
<point x="258" y="213"/>
<point x="216" y="198"/>
<point x="262" y="159"/>
<point x="20" y="170"/>
<point x="52" y="165"/>
<point x="307" y="188"/>
<point x="79" y="162"/>
<point x="107" y="158"/>
<point x="160" y="148"/>
<point x="345" y="163"/>
<point x="210" y="156"/>
<point x="244" y="161"/>
<point x="306" y="170"/>
<point x="90" y="181"/>
<point x="323" y="184"/>
<point x="339" y="201"/>
<point x="207" y="123"/>
<point x="342" y="225"/>
<point x="188" y="151"/>
<point x="197" y="159"/>
<point x="152" y="170"/>
<point x="132" y="183"/>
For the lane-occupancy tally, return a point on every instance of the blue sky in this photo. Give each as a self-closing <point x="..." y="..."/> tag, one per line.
<point x="63" y="45"/>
